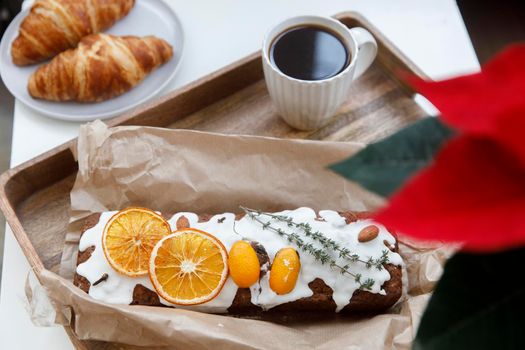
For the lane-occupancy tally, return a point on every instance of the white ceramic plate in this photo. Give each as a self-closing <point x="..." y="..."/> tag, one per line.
<point x="148" y="17"/>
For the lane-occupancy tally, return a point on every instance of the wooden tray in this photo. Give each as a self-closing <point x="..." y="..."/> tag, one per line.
<point x="34" y="196"/>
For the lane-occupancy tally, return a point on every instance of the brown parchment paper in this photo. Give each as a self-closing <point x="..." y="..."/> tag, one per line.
<point x="178" y="170"/>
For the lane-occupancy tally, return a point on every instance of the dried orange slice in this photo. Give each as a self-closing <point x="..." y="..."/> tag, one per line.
<point x="188" y="267"/>
<point x="129" y="237"/>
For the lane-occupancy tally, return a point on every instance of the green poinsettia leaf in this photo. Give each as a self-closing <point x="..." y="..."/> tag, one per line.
<point x="479" y="303"/>
<point x="384" y="166"/>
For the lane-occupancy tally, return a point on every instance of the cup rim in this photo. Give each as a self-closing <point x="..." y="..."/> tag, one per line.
<point x="308" y="19"/>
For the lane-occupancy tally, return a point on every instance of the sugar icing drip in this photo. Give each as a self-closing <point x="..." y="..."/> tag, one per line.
<point x="118" y="288"/>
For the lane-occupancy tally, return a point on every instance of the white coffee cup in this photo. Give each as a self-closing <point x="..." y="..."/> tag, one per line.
<point x="309" y="104"/>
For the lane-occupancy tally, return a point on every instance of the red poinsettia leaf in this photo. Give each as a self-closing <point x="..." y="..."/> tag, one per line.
<point x="490" y="103"/>
<point x="474" y="193"/>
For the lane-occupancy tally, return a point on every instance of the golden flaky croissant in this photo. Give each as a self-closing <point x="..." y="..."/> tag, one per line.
<point x="103" y="66"/>
<point x="53" y="26"/>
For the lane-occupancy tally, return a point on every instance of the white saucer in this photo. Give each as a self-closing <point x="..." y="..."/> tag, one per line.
<point x="148" y="17"/>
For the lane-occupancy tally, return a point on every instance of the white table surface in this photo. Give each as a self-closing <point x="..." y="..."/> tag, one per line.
<point x="430" y="32"/>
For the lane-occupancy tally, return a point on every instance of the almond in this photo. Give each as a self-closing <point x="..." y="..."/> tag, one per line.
<point x="182" y="222"/>
<point x="261" y="253"/>
<point x="368" y="233"/>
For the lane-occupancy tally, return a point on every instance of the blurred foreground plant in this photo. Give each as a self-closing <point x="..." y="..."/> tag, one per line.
<point x="460" y="178"/>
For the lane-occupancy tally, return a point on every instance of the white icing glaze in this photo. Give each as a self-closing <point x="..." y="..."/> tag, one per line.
<point x="119" y="288"/>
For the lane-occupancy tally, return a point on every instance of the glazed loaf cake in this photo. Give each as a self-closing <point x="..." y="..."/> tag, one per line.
<point x="321" y="299"/>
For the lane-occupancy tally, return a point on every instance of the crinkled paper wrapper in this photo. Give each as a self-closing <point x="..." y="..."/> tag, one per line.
<point x="178" y="170"/>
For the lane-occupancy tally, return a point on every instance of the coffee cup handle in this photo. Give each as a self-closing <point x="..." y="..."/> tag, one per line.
<point x="367" y="50"/>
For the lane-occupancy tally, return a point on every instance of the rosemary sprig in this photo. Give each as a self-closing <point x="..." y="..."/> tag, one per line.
<point x="326" y="242"/>
<point x="319" y="254"/>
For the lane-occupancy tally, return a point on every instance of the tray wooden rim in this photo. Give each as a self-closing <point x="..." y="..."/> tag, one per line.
<point x="63" y="151"/>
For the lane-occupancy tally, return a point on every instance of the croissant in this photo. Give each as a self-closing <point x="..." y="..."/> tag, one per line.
<point x="102" y="67"/>
<point x="53" y="26"/>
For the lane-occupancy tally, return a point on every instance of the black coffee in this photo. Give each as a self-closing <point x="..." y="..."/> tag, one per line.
<point x="309" y="53"/>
